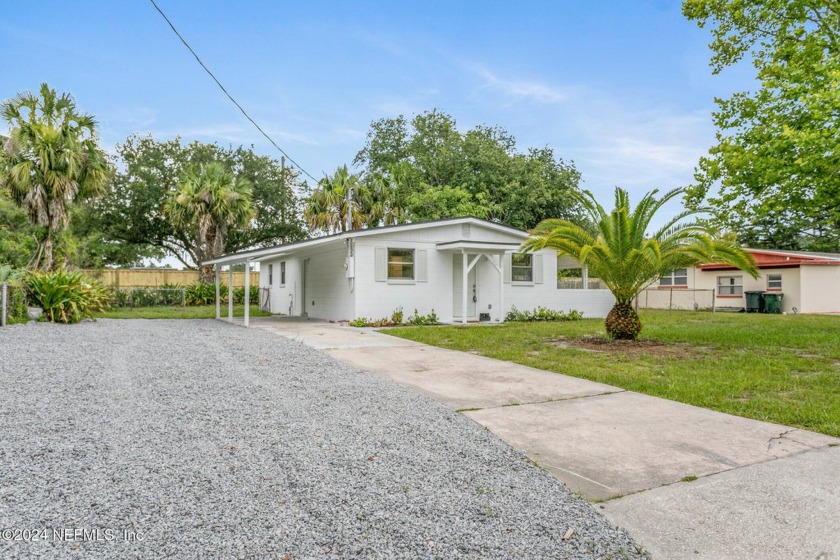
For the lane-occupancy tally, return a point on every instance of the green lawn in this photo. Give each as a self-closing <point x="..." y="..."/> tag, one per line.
<point x="163" y="312"/>
<point x="778" y="368"/>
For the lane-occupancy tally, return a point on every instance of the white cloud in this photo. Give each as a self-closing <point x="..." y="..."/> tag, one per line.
<point x="519" y="89"/>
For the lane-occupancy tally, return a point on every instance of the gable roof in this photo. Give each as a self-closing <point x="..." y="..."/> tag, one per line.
<point x="277" y="250"/>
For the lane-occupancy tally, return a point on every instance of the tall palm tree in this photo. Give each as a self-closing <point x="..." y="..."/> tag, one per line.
<point x="326" y="208"/>
<point x="618" y="249"/>
<point x="49" y="161"/>
<point x="210" y="200"/>
<point x="382" y="204"/>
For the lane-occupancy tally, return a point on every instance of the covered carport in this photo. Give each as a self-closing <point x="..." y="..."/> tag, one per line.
<point x="229" y="261"/>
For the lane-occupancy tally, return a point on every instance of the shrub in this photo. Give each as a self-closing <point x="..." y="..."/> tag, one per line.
<point x="148" y="296"/>
<point x="67" y="297"/>
<point x="239" y="295"/>
<point x="542" y="314"/>
<point x="421" y="320"/>
<point x="396" y="320"/>
<point x="203" y="293"/>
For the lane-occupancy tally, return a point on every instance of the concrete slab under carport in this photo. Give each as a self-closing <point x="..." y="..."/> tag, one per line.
<point x="616" y="444"/>
<point x="466" y="381"/>
<point x="774" y="510"/>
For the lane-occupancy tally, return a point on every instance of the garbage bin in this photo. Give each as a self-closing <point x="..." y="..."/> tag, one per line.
<point x="772" y="302"/>
<point x="755" y="303"/>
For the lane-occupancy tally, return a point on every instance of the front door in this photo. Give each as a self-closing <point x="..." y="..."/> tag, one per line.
<point x="457" y="287"/>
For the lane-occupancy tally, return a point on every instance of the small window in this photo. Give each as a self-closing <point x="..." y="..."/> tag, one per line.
<point x="522" y="267"/>
<point x="401" y="264"/>
<point x="730" y="285"/>
<point x="283" y="273"/>
<point x="270" y="275"/>
<point x="679" y="277"/>
<point x="774" y="281"/>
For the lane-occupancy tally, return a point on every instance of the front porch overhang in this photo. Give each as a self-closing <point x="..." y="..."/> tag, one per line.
<point x="477" y="247"/>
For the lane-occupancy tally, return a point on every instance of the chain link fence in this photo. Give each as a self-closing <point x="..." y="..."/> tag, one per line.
<point x="148" y="297"/>
<point x="684" y="299"/>
<point x="12" y="303"/>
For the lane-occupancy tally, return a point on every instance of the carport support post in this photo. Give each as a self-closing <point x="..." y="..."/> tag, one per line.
<point x="501" y="288"/>
<point x="218" y="299"/>
<point x="247" y="292"/>
<point x="230" y="293"/>
<point x="464" y="287"/>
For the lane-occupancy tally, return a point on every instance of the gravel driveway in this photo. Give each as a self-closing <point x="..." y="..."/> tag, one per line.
<point x="198" y="439"/>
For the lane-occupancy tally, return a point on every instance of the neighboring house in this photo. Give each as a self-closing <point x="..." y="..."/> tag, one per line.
<point x="465" y="269"/>
<point x="809" y="283"/>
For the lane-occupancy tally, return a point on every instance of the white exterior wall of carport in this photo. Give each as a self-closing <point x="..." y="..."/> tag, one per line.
<point x="327" y="292"/>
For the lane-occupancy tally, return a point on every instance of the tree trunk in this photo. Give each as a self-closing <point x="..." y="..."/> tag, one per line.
<point x="206" y="274"/>
<point x="623" y="322"/>
<point x="44" y="257"/>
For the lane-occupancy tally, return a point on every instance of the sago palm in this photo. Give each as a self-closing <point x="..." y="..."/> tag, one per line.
<point x="50" y="160"/>
<point x="209" y="201"/>
<point x="618" y="248"/>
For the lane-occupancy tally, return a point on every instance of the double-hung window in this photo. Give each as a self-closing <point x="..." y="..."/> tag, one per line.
<point x="730" y="285"/>
<point x="678" y="277"/>
<point x="401" y="264"/>
<point x="774" y="282"/>
<point x="283" y="273"/>
<point x="522" y="267"/>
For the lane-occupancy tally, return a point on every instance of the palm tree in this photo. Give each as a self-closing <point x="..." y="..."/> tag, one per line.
<point x="210" y="201"/>
<point x="382" y="205"/>
<point x="617" y="249"/>
<point x="49" y="161"/>
<point x="326" y="208"/>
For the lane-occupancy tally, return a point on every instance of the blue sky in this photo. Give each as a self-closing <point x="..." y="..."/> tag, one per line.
<point x="622" y="88"/>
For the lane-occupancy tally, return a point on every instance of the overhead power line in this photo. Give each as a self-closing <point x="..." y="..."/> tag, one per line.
<point x="229" y="96"/>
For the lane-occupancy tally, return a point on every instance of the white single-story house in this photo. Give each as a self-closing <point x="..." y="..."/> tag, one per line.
<point x="808" y="283"/>
<point x="463" y="269"/>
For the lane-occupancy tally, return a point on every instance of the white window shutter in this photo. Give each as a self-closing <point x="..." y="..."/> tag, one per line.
<point x="506" y="267"/>
<point x="420" y="265"/>
<point x="381" y="264"/>
<point x="538" y="269"/>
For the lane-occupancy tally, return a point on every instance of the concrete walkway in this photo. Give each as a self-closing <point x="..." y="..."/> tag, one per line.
<point x="762" y="490"/>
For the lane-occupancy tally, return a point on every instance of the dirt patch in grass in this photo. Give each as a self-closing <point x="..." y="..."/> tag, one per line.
<point x="643" y="346"/>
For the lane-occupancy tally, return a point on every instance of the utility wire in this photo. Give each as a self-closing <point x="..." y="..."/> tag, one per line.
<point x="229" y="96"/>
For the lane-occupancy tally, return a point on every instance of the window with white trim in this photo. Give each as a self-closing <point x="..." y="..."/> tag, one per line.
<point x="270" y="275"/>
<point x="283" y="273"/>
<point x="774" y="281"/>
<point x="401" y="264"/>
<point x="522" y="267"/>
<point x="730" y="285"/>
<point x="678" y="277"/>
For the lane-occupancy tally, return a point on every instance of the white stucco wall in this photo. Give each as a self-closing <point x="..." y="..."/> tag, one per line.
<point x="820" y="285"/>
<point x="285" y="298"/>
<point x="327" y="291"/>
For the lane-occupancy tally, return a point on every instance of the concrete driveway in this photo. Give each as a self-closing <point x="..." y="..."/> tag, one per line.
<point x="685" y="481"/>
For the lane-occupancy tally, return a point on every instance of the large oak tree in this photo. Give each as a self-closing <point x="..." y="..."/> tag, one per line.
<point x="133" y="211"/>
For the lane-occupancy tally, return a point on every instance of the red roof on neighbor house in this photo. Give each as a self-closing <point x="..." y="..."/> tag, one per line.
<point x="766" y="258"/>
